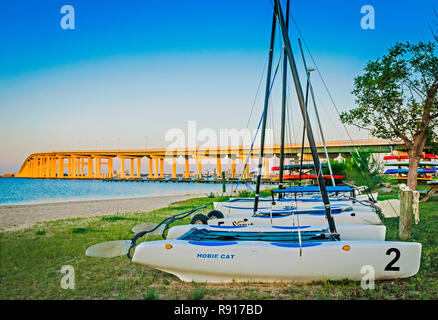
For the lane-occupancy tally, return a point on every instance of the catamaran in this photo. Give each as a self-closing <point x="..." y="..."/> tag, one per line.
<point x="306" y="199"/>
<point x="221" y="254"/>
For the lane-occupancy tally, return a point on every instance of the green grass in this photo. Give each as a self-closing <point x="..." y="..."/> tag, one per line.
<point x="31" y="261"/>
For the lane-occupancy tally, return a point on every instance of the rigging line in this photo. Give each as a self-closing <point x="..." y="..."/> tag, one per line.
<point x="312" y="96"/>
<point x="349" y="148"/>
<point x="260" y="122"/>
<point x="326" y="88"/>
<point x="288" y="122"/>
<point x="291" y="118"/>
<point x="258" y="89"/>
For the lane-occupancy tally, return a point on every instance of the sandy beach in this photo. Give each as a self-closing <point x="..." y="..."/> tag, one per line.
<point x="17" y="217"/>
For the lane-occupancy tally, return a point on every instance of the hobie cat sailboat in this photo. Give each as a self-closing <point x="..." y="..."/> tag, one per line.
<point x="287" y="204"/>
<point x="292" y="255"/>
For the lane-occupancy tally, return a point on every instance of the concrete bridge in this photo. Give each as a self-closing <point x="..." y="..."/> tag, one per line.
<point x="99" y="164"/>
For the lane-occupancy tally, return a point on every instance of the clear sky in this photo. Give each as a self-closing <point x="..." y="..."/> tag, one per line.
<point x="132" y="70"/>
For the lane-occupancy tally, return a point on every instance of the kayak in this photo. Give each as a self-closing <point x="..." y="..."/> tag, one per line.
<point x="298" y="166"/>
<point x="405" y="156"/>
<point x="405" y="163"/>
<point x="419" y="179"/>
<point x="307" y="177"/>
<point x="420" y="170"/>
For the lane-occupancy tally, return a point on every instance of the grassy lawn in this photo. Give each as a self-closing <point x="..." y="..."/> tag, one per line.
<point x="31" y="261"/>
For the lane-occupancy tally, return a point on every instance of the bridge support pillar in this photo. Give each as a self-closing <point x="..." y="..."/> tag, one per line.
<point x="218" y="167"/>
<point x="81" y="160"/>
<point x="156" y="169"/>
<point x="122" y="168"/>
<point x="132" y="168"/>
<point x="174" y="167"/>
<point x="60" y="167"/>
<point x="161" y="167"/>
<point x="139" y="168"/>
<point x="99" y="167"/>
<point x="90" y="167"/>
<point x="69" y="167"/>
<point x="52" y="167"/>
<point x="199" y="167"/>
<point x="110" y="168"/>
<point x="266" y="168"/>
<point x="151" y="169"/>
<point x="74" y="161"/>
<point x="46" y="167"/>
<point x="186" y="168"/>
<point x="233" y="167"/>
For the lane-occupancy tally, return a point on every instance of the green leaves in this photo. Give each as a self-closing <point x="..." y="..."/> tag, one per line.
<point x="391" y="93"/>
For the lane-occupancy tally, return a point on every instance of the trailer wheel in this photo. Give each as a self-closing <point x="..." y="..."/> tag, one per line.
<point x="199" y="219"/>
<point x="215" y="214"/>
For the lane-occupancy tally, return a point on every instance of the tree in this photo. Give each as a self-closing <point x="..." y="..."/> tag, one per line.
<point x="435" y="26"/>
<point x="396" y="99"/>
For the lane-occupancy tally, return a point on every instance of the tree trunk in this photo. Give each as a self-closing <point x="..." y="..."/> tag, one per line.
<point x="415" y="153"/>
<point x="406" y="210"/>
<point x="414" y="160"/>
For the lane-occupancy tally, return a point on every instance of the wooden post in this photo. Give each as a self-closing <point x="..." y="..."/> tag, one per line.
<point x="406" y="210"/>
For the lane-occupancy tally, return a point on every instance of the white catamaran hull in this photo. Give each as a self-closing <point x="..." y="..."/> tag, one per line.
<point x="243" y="207"/>
<point x="346" y="231"/>
<point x="267" y="261"/>
<point x="345" y="217"/>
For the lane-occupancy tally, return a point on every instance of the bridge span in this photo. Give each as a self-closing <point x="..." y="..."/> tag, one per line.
<point x="99" y="164"/>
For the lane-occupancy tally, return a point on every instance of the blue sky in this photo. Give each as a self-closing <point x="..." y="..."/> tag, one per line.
<point x="135" y="69"/>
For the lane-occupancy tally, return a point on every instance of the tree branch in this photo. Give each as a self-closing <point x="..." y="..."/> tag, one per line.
<point x="414" y="87"/>
<point x="430" y="97"/>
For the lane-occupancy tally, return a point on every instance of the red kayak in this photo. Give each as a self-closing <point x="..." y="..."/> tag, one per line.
<point x="405" y="156"/>
<point x="309" y="176"/>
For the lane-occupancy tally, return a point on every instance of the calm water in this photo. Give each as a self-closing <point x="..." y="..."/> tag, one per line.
<point x="29" y="191"/>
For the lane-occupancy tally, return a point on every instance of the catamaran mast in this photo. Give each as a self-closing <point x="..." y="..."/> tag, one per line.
<point x="316" y="113"/>
<point x="279" y="13"/>
<point x="265" y="115"/>
<point x="304" y="134"/>
<point x="283" y="104"/>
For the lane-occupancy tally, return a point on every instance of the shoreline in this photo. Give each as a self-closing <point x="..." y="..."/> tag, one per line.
<point x="16" y="217"/>
<point x="13" y="205"/>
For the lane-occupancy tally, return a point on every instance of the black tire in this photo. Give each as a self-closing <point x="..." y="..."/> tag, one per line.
<point x="199" y="219"/>
<point x="215" y="214"/>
